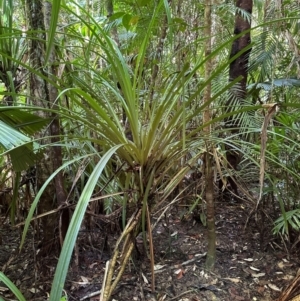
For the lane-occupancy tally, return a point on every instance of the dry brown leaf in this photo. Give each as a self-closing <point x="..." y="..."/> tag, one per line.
<point x="280" y="265"/>
<point x="179" y="276"/>
<point x="162" y="298"/>
<point x="158" y="267"/>
<point x="285" y="260"/>
<point x="274" y="287"/>
<point x="179" y="273"/>
<point x="145" y="279"/>
<point x="272" y="109"/>
<point x="288" y="277"/>
<point x="260" y="289"/>
<point x="92" y="265"/>
<point x="235" y="294"/>
<point x="254" y="275"/>
<point x="214" y="282"/>
<point x="234" y="280"/>
<point x="217" y="157"/>
<point x="84" y="279"/>
<point x="269" y="105"/>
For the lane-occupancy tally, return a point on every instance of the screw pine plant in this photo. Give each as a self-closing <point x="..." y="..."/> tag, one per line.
<point x="117" y="107"/>
<point x="132" y="138"/>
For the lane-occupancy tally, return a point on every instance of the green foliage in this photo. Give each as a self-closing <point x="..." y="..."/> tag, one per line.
<point x="131" y="131"/>
<point x="290" y="218"/>
<point x="77" y="218"/>
<point x="149" y="133"/>
<point x="279" y="82"/>
<point x="12" y="287"/>
<point x="12" y="47"/>
<point x="53" y="24"/>
<point x="23" y="152"/>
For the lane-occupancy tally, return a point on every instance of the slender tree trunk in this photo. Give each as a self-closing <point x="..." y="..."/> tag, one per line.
<point x="38" y="94"/>
<point x="209" y="187"/>
<point x="44" y="95"/>
<point x="238" y="68"/>
<point x="55" y="132"/>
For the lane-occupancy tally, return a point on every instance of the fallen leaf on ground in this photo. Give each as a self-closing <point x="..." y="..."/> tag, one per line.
<point x="234" y="280"/>
<point x="253" y="268"/>
<point x="288" y="277"/>
<point x="179" y="273"/>
<point x="258" y="275"/>
<point x="92" y="265"/>
<point x="145" y="279"/>
<point x="274" y="287"/>
<point x="235" y="294"/>
<point x="84" y="279"/>
<point x="280" y="265"/>
<point x="158" y="267"/>
<point x="214" y="282"/>
<point x="260" y="289"/>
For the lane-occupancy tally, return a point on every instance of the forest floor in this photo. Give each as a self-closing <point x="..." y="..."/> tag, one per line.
<point x="251" y="263"/>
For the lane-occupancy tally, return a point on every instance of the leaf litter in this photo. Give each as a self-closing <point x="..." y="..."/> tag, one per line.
<point x="247" y="268"/>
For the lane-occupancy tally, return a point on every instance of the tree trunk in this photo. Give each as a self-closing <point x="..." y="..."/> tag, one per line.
<point x="238" y="68"/>
<point x="44" y="95"/>
<point x="61" y="194"/>
<point x="208" y="172"/>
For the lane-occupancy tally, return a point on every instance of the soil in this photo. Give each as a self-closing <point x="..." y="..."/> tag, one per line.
<point x="251" y="263"/>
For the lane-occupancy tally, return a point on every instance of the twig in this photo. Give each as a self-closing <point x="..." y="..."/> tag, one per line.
<point x="122" y="269"/>
<point x="109" y="286"/>
<point x="142" y="292"/>
<point x="90" y="295"/>
<point x="104" y="280"/>
<point x="151" y="250"/>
